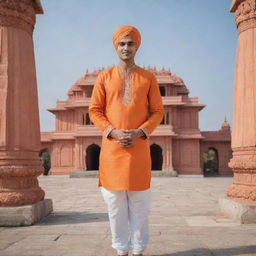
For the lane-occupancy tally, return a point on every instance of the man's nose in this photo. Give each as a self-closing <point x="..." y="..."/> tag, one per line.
<point x="125" y="46"/>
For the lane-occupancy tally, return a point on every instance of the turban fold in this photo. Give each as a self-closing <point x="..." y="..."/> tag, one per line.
<point x="124" y="31"/>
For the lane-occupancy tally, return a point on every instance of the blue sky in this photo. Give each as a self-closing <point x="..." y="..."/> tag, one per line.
<point x="196" y="39"/>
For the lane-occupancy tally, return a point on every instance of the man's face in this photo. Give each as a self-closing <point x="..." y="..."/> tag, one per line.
<point x="126" y="49"/>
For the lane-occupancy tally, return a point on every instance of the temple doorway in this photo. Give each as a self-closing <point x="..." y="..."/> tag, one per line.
<point x="211" y="162"/>
<point x="156" y="157"/>
<point x="45" y="160"/>
<point x="92" y="157"/>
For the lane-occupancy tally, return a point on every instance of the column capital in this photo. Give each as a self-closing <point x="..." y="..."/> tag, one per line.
<point x="20" y="13"/>
<point x="245" y="14"/>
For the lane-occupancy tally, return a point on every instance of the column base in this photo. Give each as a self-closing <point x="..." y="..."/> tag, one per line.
<point x="164" y="173"/>
<point x="25" y="215"/>
<point x="244" y="212"/>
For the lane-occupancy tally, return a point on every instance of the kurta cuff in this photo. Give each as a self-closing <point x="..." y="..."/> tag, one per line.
<point x="145" y="132"/>
<point x="108" y="130"/>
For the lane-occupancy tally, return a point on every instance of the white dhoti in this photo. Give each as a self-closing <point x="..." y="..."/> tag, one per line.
<point x="128" y="215"/>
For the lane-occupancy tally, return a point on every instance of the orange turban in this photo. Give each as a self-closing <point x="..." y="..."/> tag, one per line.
<point x="124" y="31"/>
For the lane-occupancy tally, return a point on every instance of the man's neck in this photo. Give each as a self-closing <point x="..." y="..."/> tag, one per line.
<point x="126" y="65"/>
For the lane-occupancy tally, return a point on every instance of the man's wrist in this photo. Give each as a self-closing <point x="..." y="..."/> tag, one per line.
<point x="110" y="135"/>
<point x="108" y="130"/>
<point x="140" y="133"/>
<point x="144" y="133"/>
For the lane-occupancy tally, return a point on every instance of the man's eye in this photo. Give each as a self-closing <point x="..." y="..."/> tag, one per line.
<point x="130" y="43"/>
<point x="122" y="44"/>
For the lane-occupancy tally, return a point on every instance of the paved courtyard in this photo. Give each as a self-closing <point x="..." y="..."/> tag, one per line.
<point x="184" y="221"/>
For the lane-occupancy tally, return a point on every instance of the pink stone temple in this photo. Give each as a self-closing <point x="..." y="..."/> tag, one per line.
<point x="176" y="144"/>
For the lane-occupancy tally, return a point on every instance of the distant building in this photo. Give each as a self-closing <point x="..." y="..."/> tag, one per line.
<point x="176" y="144"/>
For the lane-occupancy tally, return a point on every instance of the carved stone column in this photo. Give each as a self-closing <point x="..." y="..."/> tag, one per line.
<point x="242" y="193"/>
<point x="19" y="117"/>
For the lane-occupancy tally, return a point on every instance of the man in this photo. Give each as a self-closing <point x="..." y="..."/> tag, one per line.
<point x="126" y="106"/>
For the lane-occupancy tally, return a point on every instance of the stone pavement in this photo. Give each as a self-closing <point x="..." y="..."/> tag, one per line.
<point x="184" y="221"/>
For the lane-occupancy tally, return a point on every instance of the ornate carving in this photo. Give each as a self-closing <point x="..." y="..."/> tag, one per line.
<point x="19" y="185"/>
<point x="243" y="165"/>
<point x="18" y="13"/>
<point x="245" y="15"/>
<point x="241" y="192"/>
<point x="244" y="178"/>
<point x="21" y="197"/>
<point x="244" y="160"/>
<point x="20" y="171"/>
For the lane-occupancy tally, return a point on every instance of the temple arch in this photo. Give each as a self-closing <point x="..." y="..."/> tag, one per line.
<point x="156" y="157"/>
<point x="211" y="162"/>
<point x="45" y="158"/>
<point x="92" y="157"/>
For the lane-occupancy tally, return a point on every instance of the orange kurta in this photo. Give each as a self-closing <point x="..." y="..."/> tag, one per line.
<point x="125" y="168"/>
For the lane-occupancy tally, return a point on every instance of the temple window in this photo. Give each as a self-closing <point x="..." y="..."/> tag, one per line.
<point x="88" y="120"/>
<point x="165" y="119"/>
<point x="83" y="119"/>
<point x="89" y="92"/>
<point x="162" y="91"/>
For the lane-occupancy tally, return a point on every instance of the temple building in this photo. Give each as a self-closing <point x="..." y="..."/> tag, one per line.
<point x="176" y="144"/>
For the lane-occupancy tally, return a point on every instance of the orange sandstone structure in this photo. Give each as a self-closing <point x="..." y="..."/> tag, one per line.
<point x="176" y="144"/>
<point x="241" y="195"/>
<point x="19" y="118"/>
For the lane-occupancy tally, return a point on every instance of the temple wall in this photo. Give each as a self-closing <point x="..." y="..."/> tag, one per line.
<point x="186" y="118"/>
<point x="186" y="156"/>
<point x="62" y="157"/>
<point x="47" y="145"/>
<point x="65" y="120"/>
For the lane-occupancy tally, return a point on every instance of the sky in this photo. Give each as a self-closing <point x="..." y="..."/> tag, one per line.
<point x="196" y="39"/>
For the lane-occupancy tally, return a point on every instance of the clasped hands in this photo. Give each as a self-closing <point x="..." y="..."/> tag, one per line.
<point x="126" y="138"/>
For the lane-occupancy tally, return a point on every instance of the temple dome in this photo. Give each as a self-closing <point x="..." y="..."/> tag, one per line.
<point x="225" y="125"/>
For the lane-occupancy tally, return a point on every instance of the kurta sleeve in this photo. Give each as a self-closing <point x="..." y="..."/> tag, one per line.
<point x="97" y="107"/>
<point x="155" y="108"/>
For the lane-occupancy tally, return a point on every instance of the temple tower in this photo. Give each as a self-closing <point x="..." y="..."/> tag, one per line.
<point x="241" y="195"/>
<point x="19" y="115"/>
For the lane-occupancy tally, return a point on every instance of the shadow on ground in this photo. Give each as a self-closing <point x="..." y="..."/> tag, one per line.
<point x="250" y="249"/>
<point x="69" y="217"/>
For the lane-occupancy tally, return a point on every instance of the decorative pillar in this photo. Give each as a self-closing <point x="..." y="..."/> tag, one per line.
<point x="21" y="199"/>
<point x="168" y="152"/>
<point x="167" y="169"/>
<point x="240" y="201"/>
